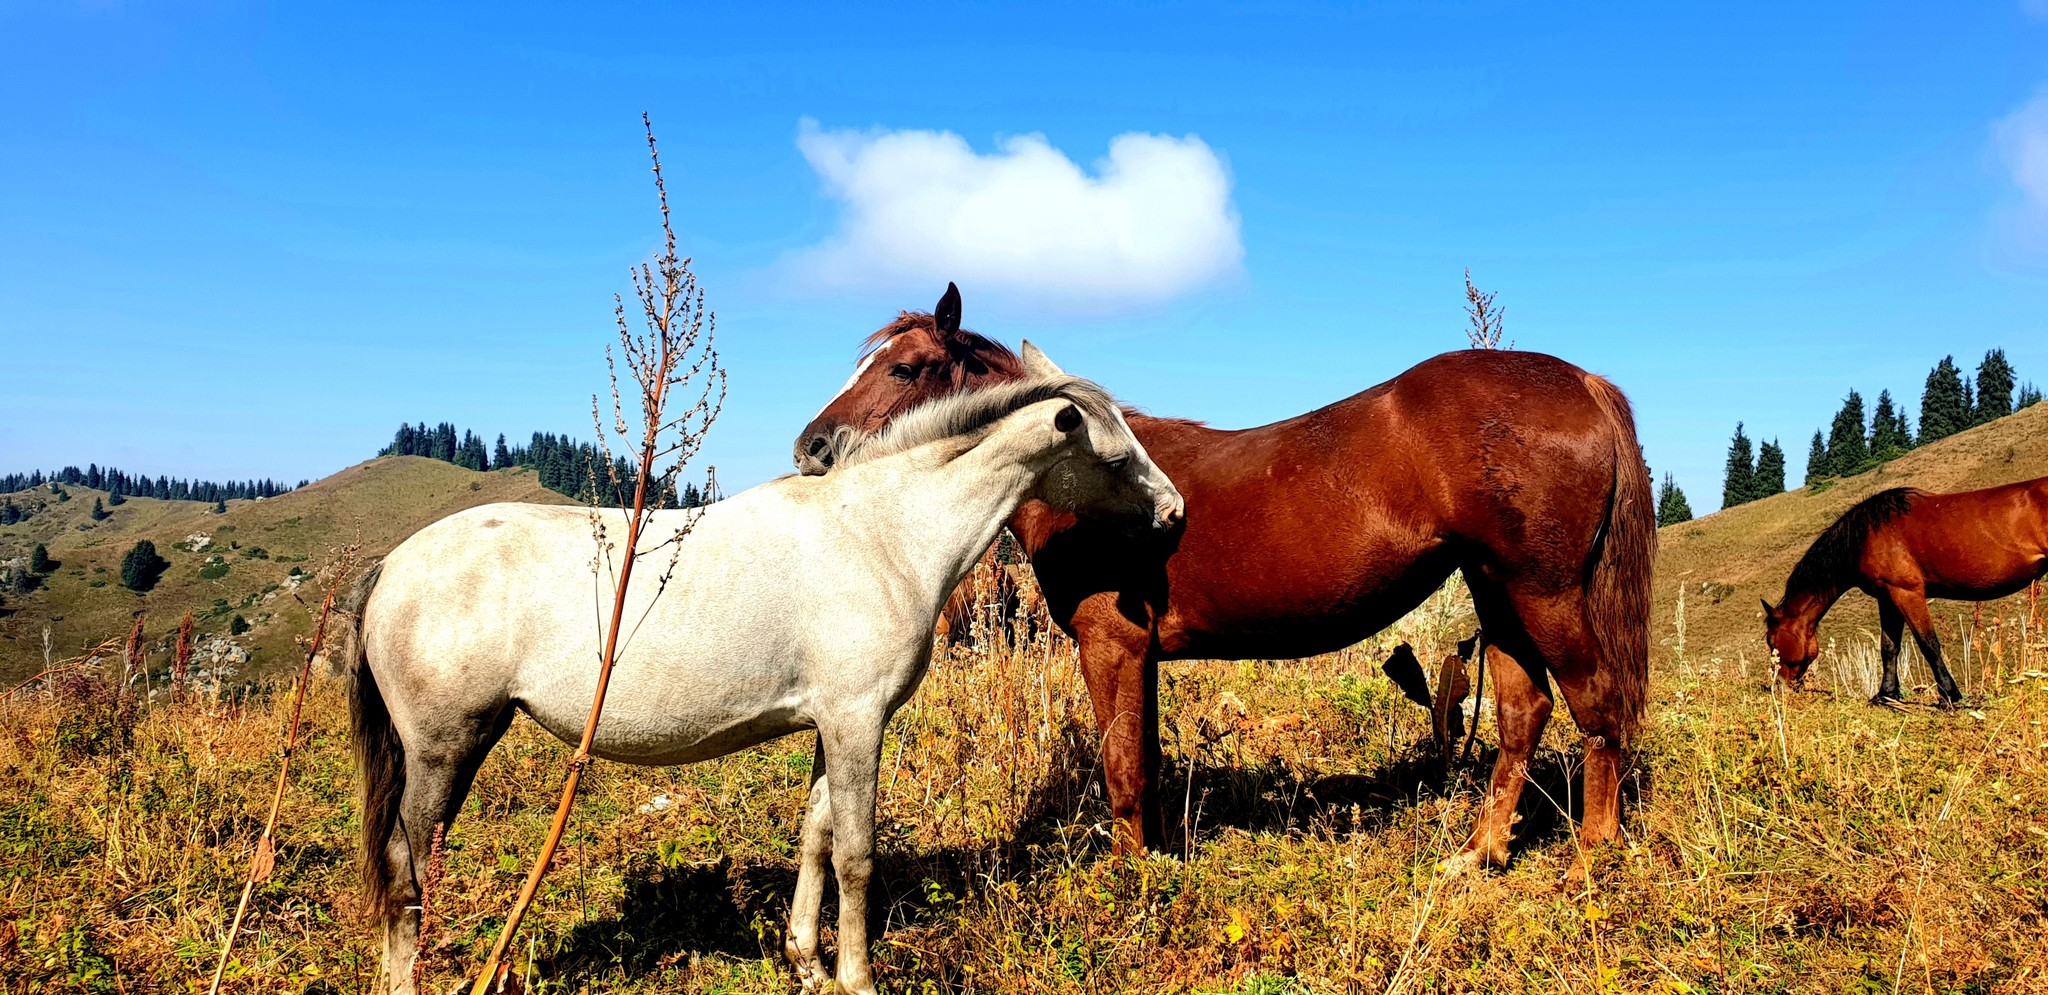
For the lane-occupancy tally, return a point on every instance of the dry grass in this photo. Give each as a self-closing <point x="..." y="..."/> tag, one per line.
<point x="1805" y="843"/>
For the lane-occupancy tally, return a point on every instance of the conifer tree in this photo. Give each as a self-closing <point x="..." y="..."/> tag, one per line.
<point x="141" y="566"/>
<point x="1944" y="411"/>
<point x="1889" y="438"/>
<point x="1848" y="453"/>
<point x="1994" y="388"/>
<point x="1739" y="482"/>
<point x="99" y="511"/>
<point x="1671" y="505"/>
<point x="1770" y="471"/>
<point x="2030" y="395"/>
<point x="39" y="559"/>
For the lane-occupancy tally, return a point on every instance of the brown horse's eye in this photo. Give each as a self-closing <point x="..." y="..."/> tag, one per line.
<point x="904" y="372"/>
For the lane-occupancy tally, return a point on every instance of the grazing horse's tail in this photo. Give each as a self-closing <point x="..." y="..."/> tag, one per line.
<point x="380" y="757"/>
<point x="1618" y="569"/>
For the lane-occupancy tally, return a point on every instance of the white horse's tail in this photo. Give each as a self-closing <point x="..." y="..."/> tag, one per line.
<point x="380" y="757"/>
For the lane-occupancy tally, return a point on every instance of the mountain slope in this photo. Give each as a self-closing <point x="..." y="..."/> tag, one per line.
<point x="1728" y="560"/>
<point x="261" y="542"/>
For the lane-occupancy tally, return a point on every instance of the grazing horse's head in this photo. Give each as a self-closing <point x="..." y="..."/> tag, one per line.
<point x="1794" y="640"/>
<point x="909" y="361"/>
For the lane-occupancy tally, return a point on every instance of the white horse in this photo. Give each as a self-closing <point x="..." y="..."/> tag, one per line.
<point x="806" y="602"/>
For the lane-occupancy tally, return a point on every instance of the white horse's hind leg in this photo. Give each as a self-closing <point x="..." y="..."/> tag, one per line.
<point x="437" y="778"/>
<point x="853" y="759"/>
<point x="802" y="947"/>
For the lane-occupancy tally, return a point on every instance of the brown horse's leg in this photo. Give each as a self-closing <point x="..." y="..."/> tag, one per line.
<point x="1558" y="628"/>
<point x="1891" y="625"/>
<point x="1124" y="688"/>
<point x="1523" y="704"/>
<point x="1913" y="604"/>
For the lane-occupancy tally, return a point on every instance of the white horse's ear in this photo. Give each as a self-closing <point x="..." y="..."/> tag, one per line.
<point x="1037" y="366"/>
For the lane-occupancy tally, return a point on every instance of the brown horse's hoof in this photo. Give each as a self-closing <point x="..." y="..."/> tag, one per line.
<point x="1883" y="700"/>
<point x="1578" y="881"/>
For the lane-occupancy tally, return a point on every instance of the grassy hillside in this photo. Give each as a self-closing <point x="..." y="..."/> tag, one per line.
<point x="260" y="542"/>
<point x="1772" y="843"/>
<point x="1726" y="561"/>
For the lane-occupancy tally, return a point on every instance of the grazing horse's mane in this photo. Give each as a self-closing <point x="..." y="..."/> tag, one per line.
<point x="1830" y="564"/>
<point x="966" y="413"/>
<point x="992" y="354"/>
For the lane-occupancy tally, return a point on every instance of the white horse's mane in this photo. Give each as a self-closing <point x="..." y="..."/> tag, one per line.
<point x="965" y="414"/>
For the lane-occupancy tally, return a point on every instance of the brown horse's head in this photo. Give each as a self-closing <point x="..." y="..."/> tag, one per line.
<point x="1794" y="639"/>
<point x="911" y="360"/>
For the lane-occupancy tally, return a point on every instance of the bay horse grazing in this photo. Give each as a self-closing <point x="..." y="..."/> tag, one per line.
<point x="804" y="603"/>
<point x="1903" y="546"/>
<point x="1307" y="535"/>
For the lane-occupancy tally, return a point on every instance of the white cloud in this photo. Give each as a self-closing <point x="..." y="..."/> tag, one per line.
<point x="2023" y="143"/>
<point x="1152" y="222"/>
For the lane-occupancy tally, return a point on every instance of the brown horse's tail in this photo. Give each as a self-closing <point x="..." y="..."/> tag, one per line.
<point x="380" y="756"/>
<point x="1618" y="570"/>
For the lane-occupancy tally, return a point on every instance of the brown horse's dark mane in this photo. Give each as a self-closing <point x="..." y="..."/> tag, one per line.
<point x="1831" y="563"/>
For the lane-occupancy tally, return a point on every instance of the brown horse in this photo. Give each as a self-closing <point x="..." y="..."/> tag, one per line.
<point x="1903" y="546"/>
<point x="1310" y="534"/>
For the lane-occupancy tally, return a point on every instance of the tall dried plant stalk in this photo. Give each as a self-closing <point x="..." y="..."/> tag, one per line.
<point x="131" y="660"/>
<point x="671" y="358"/>
<point x="1487" y="319"/>
<point x="264" y="860"/>
<point x="181" y="660"/>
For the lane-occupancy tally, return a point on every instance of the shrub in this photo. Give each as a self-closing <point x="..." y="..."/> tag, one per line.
<point x="142" y="566"/>
<point x="213" y="569"/>
<point x="238" y="626"/>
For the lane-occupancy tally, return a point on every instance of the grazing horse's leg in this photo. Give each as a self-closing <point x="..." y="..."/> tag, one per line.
<point x="853" y="760"/>
<point x="802" y="946"/>
<point x="1913" y="605"/>
<point x="438" y="772"/>
<point x="1891" y="624"/>
<point x="1522" y="704"/>
<point x="1123" y="684"/>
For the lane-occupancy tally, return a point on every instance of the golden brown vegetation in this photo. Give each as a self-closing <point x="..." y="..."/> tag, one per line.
<point x="1774" y="842"/>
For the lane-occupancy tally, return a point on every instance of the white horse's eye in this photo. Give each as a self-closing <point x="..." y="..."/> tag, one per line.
<point x="1117" y="462"/>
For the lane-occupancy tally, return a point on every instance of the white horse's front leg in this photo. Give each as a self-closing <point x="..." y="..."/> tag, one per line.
<point x="802" y="946"/>
<point x="853" y="758"/>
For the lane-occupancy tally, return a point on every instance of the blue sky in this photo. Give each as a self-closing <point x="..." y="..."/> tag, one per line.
<point x="247" y="240"/>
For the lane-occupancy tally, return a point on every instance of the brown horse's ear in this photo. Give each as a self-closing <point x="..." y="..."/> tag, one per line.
<point x="1769" y="612"/>
<point x="947" y="313"/>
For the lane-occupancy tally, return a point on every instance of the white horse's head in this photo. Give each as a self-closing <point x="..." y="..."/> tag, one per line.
<point x="1095" y="467"/>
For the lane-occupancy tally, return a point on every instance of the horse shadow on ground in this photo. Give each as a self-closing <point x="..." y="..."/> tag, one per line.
<point x="1270" y="798"/>
<point x="740" y="909"/>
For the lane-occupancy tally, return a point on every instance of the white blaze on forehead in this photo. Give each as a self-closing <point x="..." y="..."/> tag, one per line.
<point x="865" y="362"/>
